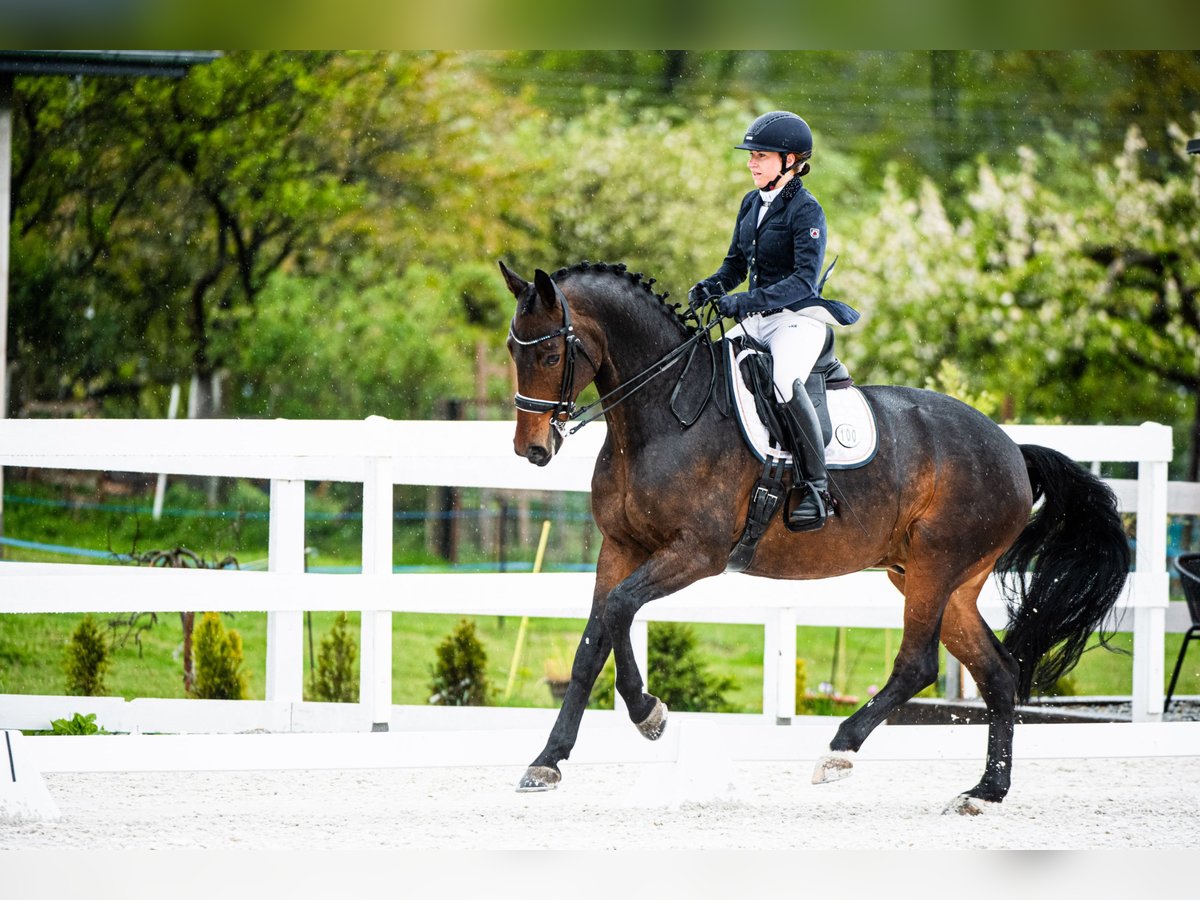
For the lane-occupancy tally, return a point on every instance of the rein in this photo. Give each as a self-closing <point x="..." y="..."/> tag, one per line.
<point x="564" y="411"/>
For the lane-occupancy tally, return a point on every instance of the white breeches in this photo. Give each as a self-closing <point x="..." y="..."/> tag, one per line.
<point x="796" y="340"/>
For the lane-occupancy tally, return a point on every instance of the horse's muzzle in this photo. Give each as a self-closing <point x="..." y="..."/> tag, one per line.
<point x="539" y="454"/>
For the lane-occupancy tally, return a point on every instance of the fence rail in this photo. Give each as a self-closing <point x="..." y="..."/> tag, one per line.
<point x="381" y="453"/>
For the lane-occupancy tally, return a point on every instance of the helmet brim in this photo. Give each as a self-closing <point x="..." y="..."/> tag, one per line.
<point x="754" y="145"/>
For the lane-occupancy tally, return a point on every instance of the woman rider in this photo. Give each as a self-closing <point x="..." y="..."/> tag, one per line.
<point x="779" y="242"/>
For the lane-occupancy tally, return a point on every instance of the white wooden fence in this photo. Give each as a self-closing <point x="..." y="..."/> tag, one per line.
<point x="381" y="453"/>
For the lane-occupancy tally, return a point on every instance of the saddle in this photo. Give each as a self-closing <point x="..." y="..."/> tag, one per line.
<point x="846" y="418"/>
<point x="828" y="374"/>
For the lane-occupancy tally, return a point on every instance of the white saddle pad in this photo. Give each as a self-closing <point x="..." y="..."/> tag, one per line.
<point x="855" y="437"/>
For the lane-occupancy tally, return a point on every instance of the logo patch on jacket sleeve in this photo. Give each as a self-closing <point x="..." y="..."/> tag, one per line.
<point x="814" y="233"/>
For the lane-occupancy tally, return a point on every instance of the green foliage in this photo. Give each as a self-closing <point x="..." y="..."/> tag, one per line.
<point x="336" y="676"/>
<point x="1067" y="686"/>
<point x="77" y="724"/>
<point x="801" y="684"/>
<point x="460" y="675"/>
<point x="219" y="661"/>
<point x="1036" y="294"/>
<point x="87" y="661"/>
<point x="604" y="691"/>
<point x="679" y="675"/>
<point x="322" y="228"/>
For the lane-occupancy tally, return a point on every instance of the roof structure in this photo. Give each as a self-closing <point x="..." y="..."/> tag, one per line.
<point x="173" y="63"/>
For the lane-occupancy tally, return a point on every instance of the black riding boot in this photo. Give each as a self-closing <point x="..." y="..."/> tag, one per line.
<point x="806" y="506"/>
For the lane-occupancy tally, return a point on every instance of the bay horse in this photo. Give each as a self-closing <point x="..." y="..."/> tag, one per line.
<point x="947" y="499"/>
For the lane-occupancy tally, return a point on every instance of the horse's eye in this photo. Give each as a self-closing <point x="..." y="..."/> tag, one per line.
<point x="552" y="359"/>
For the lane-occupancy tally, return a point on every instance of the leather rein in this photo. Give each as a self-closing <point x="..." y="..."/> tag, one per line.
<point x="564" y="410"/>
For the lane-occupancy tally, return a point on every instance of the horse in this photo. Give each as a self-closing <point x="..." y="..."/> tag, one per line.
<point x="948" y="499"/>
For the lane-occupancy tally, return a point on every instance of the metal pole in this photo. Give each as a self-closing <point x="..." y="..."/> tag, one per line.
<point x="6" y="98"/>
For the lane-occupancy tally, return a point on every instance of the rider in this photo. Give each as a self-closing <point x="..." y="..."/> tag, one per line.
<point x="779" y="241"/>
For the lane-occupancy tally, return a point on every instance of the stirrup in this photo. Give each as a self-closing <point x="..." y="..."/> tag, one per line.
<point x="798" y="520"/>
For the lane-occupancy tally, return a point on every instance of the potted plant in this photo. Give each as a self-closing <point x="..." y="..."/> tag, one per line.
<point x="557" y="668"/>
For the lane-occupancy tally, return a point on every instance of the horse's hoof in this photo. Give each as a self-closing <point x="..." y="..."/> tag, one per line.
<point x="837" y="765"/>
<point x="539" y="778"/>
<point x="966" y="805"/>
<point x="653" y="726"/>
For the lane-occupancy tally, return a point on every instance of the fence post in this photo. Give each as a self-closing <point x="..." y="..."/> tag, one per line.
<point x="1150" y="579"/>
<point x="285" y="629"/>
<point x="771" y="664"/>
<point x="375" y="673"/>
<point x="785" y="694"/>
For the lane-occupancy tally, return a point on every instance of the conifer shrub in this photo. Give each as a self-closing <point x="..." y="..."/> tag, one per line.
<point x="87" y="661"/>
<point x="219" y="661"/>
<point x="460" y="674"/>
<point x="336" y="677"/>
<point x="679" y="675"/>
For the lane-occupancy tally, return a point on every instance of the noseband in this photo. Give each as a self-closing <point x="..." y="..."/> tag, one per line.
<point x="563" y="409"/>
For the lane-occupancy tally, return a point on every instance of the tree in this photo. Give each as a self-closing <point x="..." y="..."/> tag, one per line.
<point x="1068" y="299"/>
<point x="152" y="216"/>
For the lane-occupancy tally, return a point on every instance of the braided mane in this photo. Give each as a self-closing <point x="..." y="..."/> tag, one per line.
<point x="620" y="270"/>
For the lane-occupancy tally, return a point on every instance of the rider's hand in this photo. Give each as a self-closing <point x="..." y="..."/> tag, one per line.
<point x="731" y="305"/>
<point x="701" y="293"/>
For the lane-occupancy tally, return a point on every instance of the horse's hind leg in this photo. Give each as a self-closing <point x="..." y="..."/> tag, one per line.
<point x="969" y="638"/>
<point x="915" y="668"/>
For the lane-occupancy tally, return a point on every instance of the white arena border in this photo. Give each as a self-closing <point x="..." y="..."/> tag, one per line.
<point x="605" y="738"/>
<point x="380" y="453"/>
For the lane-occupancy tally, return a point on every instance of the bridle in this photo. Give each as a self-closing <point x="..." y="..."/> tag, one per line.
<point x="564" y="411"/>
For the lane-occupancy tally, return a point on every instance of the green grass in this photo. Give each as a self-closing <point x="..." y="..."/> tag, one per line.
<point x="32" y="647"/>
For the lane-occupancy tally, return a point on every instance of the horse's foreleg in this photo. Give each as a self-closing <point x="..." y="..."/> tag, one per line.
<point x="667" y="571"/>
<point x="543" y="773"/>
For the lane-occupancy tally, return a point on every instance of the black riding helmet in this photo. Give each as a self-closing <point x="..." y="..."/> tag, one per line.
<point x="780" y="132"/>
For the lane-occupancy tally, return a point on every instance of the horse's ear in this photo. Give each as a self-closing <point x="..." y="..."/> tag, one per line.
<point x="546" y="289"/>
<point x="516" y="284"/>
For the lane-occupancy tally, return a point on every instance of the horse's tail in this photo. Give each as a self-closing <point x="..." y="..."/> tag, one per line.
<point x="1065" y="571"/>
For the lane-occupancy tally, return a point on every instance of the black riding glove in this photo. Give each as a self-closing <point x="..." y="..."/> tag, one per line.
<point x="733" y="306"/>
<point x="701" y="293"/>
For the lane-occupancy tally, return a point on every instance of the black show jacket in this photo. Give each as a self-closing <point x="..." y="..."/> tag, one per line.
<point x="782" y="255"/>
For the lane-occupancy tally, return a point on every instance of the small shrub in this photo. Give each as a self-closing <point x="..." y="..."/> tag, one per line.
<point x="801" y="686"/>
<point x="460" y="674"/>
<point x="219" y="661"/>
<point x="87" y="661"/>
<point x="678" y="675"/>
<point x="77" y="724"/>
<point x="336" y="678"/>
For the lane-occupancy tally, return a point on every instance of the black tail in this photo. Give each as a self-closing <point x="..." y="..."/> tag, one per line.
<point x="1065" y="572"/>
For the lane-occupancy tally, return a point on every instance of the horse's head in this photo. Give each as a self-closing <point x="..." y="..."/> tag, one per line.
<point x="550" y="347"/>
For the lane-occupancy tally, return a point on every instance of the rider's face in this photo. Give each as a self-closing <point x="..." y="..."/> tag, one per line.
<point x="764" y="165"/>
